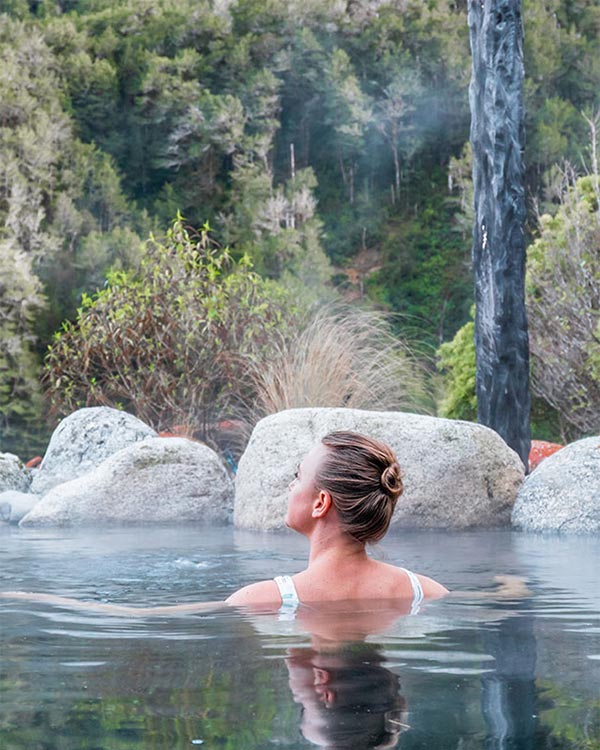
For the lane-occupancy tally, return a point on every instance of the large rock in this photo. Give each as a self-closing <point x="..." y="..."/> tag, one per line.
<point x="15" y="505"/>
<point x="83" y="440"/>
<point x="13" y="475"/>
<point x="563" y="493"/>
<point x="156" y="480"/>
<point x="456" y="474"/>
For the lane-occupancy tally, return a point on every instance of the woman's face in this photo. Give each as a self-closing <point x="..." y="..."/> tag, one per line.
<point x="347" y="701"/>
<point x="303" y="490"/>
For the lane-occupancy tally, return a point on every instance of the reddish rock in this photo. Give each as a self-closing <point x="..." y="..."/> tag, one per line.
<point x="33" y="462"/>
<point x="230" y="425"/>
<point x="178" y="430"/>
<point x="541" y="449"/>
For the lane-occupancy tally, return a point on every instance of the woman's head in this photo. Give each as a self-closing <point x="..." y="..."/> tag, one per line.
<point x="349" y="699"/>
<point x="364" y="480"/>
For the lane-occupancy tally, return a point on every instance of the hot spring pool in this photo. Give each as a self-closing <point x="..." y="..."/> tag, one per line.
<point x="461" y="674"/>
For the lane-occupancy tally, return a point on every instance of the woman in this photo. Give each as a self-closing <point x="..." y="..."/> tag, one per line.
<point x="342" y="497"/>
<point x="349" y="698"/>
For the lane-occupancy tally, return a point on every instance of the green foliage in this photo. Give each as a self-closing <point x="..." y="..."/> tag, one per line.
<point x="20" y="397"/>
<point x="573" y="720"/>
<point x="426" y="270"/>
<point x="563" y="293"/>
<point x="199" y="105"/>
<point x="63" y="217"/>
<point x="558" y="125"/>
<point x="457" y="361"/>
<point x="562" y="65"/>
<point x="277" y="228"/>
<point x="171" y="342"/>
<point x="460" y="184"/>
<point x="156" y="698"/>
<point x="305" y="132"/>
<point x="55" y="190"/>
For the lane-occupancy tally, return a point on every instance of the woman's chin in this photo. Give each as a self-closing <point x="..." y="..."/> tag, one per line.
<point x="289" y="524"/>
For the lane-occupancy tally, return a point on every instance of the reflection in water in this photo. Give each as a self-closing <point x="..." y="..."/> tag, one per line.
<point x="509" y="697"/>
<point x="348" y="698"/>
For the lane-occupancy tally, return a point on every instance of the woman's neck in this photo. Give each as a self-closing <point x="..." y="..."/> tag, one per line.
<point x="329" y="544"/>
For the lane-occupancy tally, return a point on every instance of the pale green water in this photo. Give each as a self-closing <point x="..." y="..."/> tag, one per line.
<point x="460" y="674"/>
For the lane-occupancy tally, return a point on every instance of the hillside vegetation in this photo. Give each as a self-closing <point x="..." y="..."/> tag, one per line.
<point x="323" y="142"/>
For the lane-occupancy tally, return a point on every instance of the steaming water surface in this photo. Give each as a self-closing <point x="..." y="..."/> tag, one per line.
<point x="462" y="673"/>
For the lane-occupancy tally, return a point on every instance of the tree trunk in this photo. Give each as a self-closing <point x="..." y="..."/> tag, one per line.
<point x="497" y="134"/>
<point x="396" y="169"/>
<point x="394" y="143"/>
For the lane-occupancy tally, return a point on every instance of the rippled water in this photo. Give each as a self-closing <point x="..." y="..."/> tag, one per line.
<point x="463" y="673"/>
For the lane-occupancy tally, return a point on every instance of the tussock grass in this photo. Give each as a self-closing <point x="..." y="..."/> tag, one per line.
<point x="342" y="357"/>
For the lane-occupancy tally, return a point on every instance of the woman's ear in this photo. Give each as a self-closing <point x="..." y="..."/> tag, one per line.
<point x="321" y="505"/>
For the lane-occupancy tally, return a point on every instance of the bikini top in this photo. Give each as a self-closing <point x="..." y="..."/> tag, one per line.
<point x="290" y="600"/>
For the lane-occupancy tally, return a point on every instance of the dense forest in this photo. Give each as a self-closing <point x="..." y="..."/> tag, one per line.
<point x="323" y="142"/>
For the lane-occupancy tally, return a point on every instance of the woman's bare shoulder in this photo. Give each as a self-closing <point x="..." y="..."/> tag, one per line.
<point x="431" y="589"/>
<point x="262" y="592"/>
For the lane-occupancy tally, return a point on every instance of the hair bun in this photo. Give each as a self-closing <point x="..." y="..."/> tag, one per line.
<point x="391" y="480"/>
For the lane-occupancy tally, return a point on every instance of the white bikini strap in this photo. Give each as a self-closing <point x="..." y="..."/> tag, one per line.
<point x="417" y="591"/>
<point x="289" y="596"/>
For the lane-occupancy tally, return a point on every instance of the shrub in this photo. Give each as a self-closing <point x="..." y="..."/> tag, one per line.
<point x="563" y="295"/>
<point x="172" y="341"/>
<point x="193" y="338"/>
<point x="457" y="361"/>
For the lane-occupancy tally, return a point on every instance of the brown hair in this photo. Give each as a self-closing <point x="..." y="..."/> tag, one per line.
<point x="367" y="709"/>
<point x="364" y="480"/>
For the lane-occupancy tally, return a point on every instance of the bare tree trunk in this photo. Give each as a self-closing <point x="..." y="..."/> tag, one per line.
<point x="497" y="134"/>
<point x="397" y="171"/>
<point x="292" y="162"/>
<point x="396" y="153"/>
<point x="594" y="125"/>
<point x="343" y="170"/>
